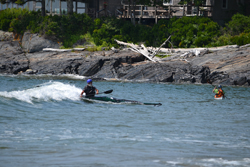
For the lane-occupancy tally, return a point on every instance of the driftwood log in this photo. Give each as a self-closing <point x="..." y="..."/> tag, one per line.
<point x="62" y="50"/>
<point x="179" y="53"/>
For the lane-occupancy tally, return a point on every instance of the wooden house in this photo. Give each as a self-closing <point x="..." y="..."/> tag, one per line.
<point x="219" y="10"/>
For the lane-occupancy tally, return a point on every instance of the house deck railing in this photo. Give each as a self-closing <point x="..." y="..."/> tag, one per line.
<point x="166" y="12"/>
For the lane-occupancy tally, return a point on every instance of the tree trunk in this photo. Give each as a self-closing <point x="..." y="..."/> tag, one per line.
<point x="70" y="7"/>
<point x="76" y="7"/>
<point x="60" y="7"/>
<point x="129" y="10"/>
<point x="43" y="7"/>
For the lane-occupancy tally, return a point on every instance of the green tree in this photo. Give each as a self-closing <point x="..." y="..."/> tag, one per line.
<point x="238" y="24"/>
<point x="22" y="2"/>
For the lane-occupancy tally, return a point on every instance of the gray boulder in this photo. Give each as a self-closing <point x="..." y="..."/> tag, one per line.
<point x="228" y="67"/>
<point x="12" y="58"/>
<point x="35" y="43"/>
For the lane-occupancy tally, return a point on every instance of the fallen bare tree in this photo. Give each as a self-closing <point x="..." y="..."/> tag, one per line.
<point x="150" y="54"/>
<point x="179" y="53"/>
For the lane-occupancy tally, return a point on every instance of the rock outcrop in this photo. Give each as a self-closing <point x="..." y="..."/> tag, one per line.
<point x="6" y="36"/>
<point x="227" y="67"/>
<point x="12" y="59"/>
<point x="35" y="43"/>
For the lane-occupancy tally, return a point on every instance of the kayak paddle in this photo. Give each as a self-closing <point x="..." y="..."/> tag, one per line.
<point x="107" y="92"/>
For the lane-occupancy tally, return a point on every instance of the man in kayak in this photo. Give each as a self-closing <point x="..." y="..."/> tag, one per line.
<point x="89" y="89"/>
<point x="218" y="92"/>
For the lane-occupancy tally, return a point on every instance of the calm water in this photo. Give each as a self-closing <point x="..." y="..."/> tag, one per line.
<point x="43" y="122"/>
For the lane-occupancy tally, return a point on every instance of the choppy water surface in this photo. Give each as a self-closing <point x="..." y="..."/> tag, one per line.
<point x="43" y="122"/>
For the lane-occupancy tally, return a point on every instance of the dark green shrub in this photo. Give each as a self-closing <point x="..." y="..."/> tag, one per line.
<point x="239" y="24"/>
<point x="23" y="21"/>
<point x="193" y="32"/>
<point x="107" y="28"/>
<point x="242" y="39"/>
<point x="5" y="24"/>
<point x="222" y="40"/>
<point x="10" y="14"/>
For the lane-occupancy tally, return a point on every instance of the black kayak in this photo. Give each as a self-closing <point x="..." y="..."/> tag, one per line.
<point x="115" y="100"/>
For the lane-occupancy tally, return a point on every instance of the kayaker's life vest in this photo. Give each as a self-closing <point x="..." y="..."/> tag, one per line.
<point x="89" y="91"/>
<point x="219" y="94"/>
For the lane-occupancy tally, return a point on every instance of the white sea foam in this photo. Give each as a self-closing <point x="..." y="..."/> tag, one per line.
<point x="48" y="91"/>
<point x="62" y="76"/>
<point x="172" y="162"/>
<point x="210" y="162"/>
<point x="73" y="76"/>
<point x="221" y="161"/>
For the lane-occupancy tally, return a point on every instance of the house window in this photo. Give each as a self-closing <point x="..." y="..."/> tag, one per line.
<point x="224" y="4"/>
<point x="167" y="3"/>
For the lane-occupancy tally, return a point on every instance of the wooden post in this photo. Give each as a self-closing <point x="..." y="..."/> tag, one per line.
<point x="133" y="16"/>
<point x="86" y="8"/>
<point x="34" y="5"/>
<point x="183" y="10"/>
<point x="142" y="11"/>
<point x="198" y="10"/>
<point x="128" y="13"/>
<point x="156" y="15"/>
<point x="140" y="19"/>
<point x="169" y="11"/>
<point x="124" y="11"/>
<point x="51" y="7"/>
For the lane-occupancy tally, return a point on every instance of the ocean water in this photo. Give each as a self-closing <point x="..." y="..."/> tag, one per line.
<point x="44" y="122"/>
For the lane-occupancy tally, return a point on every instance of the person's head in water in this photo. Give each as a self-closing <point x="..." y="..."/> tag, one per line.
<point x="220" y="87"/>
<point x="89" y="81"/>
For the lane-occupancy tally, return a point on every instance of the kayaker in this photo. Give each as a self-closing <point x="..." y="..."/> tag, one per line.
<point x="218" y="92"/>
<point x="89" y="89"/>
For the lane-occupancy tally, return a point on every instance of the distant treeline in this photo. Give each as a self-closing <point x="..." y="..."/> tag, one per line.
<point x="187" y="32"/>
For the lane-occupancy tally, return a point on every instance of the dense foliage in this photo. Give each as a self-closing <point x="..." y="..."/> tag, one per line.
<point x="238" y="30"/>
<point x="66" y="28"/>
<point x="186" y="32"/>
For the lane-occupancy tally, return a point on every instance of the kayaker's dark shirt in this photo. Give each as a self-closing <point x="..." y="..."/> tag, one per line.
<point x="89" y="91"/>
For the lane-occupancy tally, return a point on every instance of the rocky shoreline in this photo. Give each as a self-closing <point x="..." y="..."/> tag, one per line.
<point x="227" y="67"/>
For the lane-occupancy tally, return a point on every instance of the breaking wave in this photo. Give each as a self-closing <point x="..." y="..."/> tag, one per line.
<point x="46" y="92"/>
